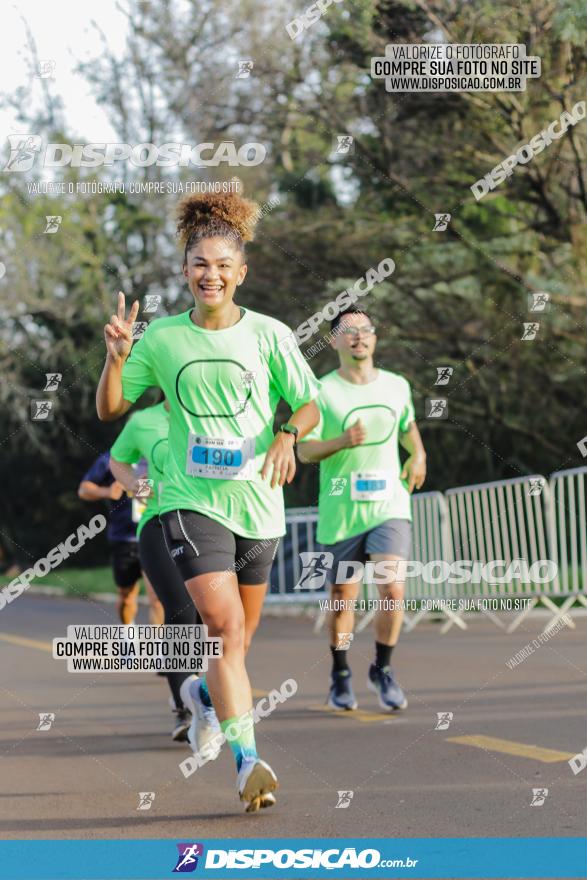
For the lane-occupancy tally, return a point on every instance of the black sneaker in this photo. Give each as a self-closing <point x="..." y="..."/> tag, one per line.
<point x="183" y="719"/>
<point x="382" y="682"/>
<point x="341" y="696"/>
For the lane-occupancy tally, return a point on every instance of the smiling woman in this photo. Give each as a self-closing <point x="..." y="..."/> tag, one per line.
<point x="221" y="509"/>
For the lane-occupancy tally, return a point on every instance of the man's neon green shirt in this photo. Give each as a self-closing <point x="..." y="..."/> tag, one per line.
<point x="385" y="408"/>
<point x="223" y="387"/>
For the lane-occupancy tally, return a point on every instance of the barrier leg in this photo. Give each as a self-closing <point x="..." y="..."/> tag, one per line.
<point x="494" y="619"/>
<point x="411" y="623"/>
<point x="521" y="615"/>
<point x="559" y="612"/>
<point x="320" y="620"/>
<point x="369" y="592"/>
<point x="365" y="621"/>
<point x="453" y="618"/>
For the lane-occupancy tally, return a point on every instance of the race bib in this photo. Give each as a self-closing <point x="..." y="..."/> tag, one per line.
<point x="372" y="485"/>
<point x="221" y="458"/>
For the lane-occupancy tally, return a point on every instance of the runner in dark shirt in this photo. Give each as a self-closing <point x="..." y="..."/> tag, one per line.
<point x="98" y="484"/>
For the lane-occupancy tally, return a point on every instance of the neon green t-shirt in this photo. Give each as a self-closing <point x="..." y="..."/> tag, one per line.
<point x="360" y="487"/>
<point x="145" y="436"/>
<point x="223" y="387"/>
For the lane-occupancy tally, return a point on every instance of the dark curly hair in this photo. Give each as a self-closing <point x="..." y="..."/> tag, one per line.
<point x="216" y="215"/>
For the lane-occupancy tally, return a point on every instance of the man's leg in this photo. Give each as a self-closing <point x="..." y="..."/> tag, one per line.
<point x="395" y="535"/>
<point x="342" y="623"/>
<point x="127" y="605"/>
<point x="389" y="617"/>
<point x="126" y="570"/>
<point x="348" y="557"/>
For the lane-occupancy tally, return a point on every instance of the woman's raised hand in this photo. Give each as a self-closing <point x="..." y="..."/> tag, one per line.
<point x="118" y="332"/>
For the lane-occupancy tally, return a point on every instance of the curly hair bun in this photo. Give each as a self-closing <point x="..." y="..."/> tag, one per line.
<point x="217" y="210"/>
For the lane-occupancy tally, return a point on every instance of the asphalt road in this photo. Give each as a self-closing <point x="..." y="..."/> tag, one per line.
<point x="111" y="740"/>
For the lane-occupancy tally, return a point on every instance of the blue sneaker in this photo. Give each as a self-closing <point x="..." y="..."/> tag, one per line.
<point x="341" y="694"/>
<point x="382" y="682"/>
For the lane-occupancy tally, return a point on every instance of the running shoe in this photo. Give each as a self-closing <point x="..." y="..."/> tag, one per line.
<point x="255" y="784"/>
<point x="341" y="696"/>
<point x="204" y="734"/>
<point x="382" y="682"/>
<point x="183" y="719"/>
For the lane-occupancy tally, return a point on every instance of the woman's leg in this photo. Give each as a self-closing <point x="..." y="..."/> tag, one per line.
<point x="206" y="554"/>
<point x="252" y="597"/>
<point x="170" y="589"/>
<point x="255" y="557"/>
<point x="222" y="612"/>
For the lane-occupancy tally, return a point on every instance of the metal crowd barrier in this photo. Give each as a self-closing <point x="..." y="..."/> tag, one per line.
<point x="504" y="520"/>
<point x="526" y="518"/>
<point x="300" y="535"/>
<point x="570" y="538"/>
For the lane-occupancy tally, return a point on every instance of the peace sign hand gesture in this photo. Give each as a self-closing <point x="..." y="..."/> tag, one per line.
<point x="118" y="332"/>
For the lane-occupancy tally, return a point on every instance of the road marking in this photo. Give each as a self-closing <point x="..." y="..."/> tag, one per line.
<point x="27" y="643"/>
<point x="363" y="715"/>
<point x="494" y="744"/>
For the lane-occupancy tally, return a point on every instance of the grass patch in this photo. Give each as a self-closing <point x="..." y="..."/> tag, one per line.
<point x="76" y="581"/>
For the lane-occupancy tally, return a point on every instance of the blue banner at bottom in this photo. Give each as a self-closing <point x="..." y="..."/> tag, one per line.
<point x="286" y="858"/>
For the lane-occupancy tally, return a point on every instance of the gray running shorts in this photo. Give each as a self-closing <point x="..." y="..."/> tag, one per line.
<point x="391" y="538"/>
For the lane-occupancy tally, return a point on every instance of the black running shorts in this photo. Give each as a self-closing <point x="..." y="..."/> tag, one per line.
<point x="200" y="545"/>
<point x="126" y="566"/>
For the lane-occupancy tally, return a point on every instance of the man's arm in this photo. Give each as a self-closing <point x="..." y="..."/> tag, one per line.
<point x="414" y="470"/>
<point x="313" y="451"/>
<point x="89" y="491"/>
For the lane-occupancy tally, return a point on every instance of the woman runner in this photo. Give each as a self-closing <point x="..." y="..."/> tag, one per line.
<point x="223" y="372"/>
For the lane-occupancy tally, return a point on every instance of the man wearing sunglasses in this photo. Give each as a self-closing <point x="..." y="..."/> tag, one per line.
<point x="364" y="503"/>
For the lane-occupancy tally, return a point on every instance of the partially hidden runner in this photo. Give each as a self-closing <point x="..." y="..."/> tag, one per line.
<point x="223" y="371"/>
<point x="145" y="436"/>
<point x="364" y="509"/>
<point x="99" y="484"/>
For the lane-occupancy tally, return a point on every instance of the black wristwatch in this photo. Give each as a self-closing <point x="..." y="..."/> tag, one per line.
<point x="288" y="428"/>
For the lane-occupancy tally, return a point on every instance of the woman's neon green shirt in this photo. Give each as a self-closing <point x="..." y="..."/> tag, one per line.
<point x="221" y="385"/>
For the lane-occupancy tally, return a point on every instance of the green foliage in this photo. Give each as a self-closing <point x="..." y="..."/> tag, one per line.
<point x="457" y="298"/>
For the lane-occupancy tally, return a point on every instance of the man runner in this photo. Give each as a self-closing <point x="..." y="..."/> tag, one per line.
<point x="364" y="413"/>
<point x="98" y="484"/>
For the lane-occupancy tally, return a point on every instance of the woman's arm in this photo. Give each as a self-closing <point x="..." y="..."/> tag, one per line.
<point x="280" y="459"/>
<point x="110" y="402"/>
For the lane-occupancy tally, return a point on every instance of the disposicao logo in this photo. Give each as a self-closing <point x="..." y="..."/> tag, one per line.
<point x="187" y="861"/>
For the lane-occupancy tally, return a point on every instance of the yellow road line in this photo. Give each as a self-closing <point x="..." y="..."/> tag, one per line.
<point x="523" y="750"/>
<point x="363" y="715"/>
<point x="27" y="643"/>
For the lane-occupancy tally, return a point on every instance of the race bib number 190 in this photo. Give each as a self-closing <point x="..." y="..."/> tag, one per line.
<point x="221" y="458"/>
